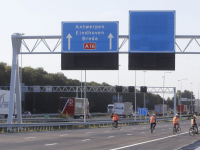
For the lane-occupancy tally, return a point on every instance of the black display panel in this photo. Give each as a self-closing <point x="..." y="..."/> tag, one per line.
<point x="89" y="61"/>
<point x="151" y="61"/>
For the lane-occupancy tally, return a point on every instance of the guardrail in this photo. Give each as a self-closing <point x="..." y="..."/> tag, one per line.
<point x="50" y="126"/>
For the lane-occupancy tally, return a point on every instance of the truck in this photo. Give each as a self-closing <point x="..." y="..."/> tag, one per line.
<point x="4" y="104"/>
<point x="182" y="109"/>
<point x="192" y="109"/>
<point x="123" y="109"/>
<point x="159" y="109"/>
<point x="110" y="108"/>
<point x="74" y="107"/>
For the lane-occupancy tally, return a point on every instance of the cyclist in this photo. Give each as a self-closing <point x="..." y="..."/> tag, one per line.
<point x="152" y="120"/>
<point x="115" y="118"/>
<point x="175" y="121"/>
<point x="193" y="123"/>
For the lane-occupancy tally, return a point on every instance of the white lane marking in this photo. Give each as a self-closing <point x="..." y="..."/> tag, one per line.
<point x="142" y="132"/>
<point x="51" y="144"/>
<point x="163" y="129"/>
<point x="30" y="138"/>
<point x="107" y="131"/>
<point x="144" y="127"/>
<point x="170" y="128"/>
<point x="128" y="134"/>
<point x="88" y="132"/>
<point x="64" y="135"/>
<point x="85" y="140"/>
<point x="147" y="141"/>
<point x="133" y="128"/>
<point x="110" y="136"/>
<point x="186" y="126"/>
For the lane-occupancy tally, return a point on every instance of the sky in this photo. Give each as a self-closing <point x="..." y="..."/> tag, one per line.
<point x="36" y="17"/>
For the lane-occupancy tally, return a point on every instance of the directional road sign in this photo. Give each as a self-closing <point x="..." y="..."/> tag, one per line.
<point x="152" y="31"/>
<point x="90" y="37"/>
<point x="143" y="111"/>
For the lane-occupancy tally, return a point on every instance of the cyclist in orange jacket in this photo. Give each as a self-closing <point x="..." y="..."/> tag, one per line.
<point x="152" y="120"/>
<point x="175" y="120"/>
<point x="193" y="123"/>
<point x="115" y="118"/>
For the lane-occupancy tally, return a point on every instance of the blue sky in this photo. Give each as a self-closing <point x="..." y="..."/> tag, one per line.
<point x="36" y="17"/>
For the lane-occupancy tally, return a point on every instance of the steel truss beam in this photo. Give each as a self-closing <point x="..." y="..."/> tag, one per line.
<point x="42" y="39"/>
<point x="99" y="89"/>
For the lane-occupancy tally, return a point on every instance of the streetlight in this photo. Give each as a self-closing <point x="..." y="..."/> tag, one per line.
<point x="178" y="93"/>
<point x="198" y="98"/>
<point x="180" y="96"/>
<point x="144" y="93"/>
<point x="163" y="91"/>
<point x="118" y="84"/>
<point x="191" y="93"/>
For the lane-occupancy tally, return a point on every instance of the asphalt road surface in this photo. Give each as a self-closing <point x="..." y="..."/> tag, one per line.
<point x="134" y="137"/>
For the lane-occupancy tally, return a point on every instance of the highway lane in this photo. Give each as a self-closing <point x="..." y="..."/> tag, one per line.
<point x="129" y="137"/>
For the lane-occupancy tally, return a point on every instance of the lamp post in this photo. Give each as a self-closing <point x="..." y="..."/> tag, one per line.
<point x="198" y="98"/>
<point x="118" y="84"/>
<point x="191" y="93"/>
<point x="81" y="83"/>
<point x="163" y="91"/>
<point x="144" y="93"/>
<point x="178" y="93"/>
<point x="180" y="96"/>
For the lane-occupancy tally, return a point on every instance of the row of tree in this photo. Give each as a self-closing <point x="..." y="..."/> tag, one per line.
<point x="49" y="102"/>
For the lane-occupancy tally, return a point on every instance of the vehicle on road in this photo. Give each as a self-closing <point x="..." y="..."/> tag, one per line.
<point x="123" y="109"/>
<point x="4" y="103"/>
<point x="27" y="113"/>
<point x="114" y="125"/>
<point x="74" y="107"/>
<point x="159" y="109"/>
<point x="110" y="108"/>
<point x="182" y="109"/>
<point x="177" y="130"/>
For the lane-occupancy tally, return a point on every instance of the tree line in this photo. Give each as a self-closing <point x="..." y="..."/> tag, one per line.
<point x="49" y="102"/>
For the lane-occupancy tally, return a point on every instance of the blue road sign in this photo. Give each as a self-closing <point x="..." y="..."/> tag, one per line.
<point x="143" y="111"/>
<point x="90" y="37"/>
<point x="152" y="31"/>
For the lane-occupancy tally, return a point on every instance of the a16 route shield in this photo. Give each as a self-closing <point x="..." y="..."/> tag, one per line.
<point x="89" y="37"/>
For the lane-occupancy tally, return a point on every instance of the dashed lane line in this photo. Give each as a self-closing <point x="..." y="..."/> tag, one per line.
<point x="64" y="135"/>
<point x="110" y="136"/>
<point x="85" y="140"/>
<point x="142" y="132"/>
<point x="128" y="134"/>
<point x="30" y="138"/>
<point x="51" y="144"/>
<point x="147" y="141"/>
<point x="88" y="132"/>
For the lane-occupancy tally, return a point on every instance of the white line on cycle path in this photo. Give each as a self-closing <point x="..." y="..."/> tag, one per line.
<point x="147" y="142"/>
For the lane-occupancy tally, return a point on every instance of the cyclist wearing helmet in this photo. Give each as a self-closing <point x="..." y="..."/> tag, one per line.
<point x="193" y="123"/>
<point x="152" y="120"/>
<point x="175" y="120"/>
<point x="115" y="118"/>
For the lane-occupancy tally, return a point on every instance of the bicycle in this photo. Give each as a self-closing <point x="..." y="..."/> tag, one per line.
<point x="193" y="130"/>
<point x="152" y="128"/>
<point x="116" y="126"/>
<point x="177" y="130"/>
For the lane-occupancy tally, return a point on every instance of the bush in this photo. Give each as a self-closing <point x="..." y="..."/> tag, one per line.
<point x="62" y="115"/>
